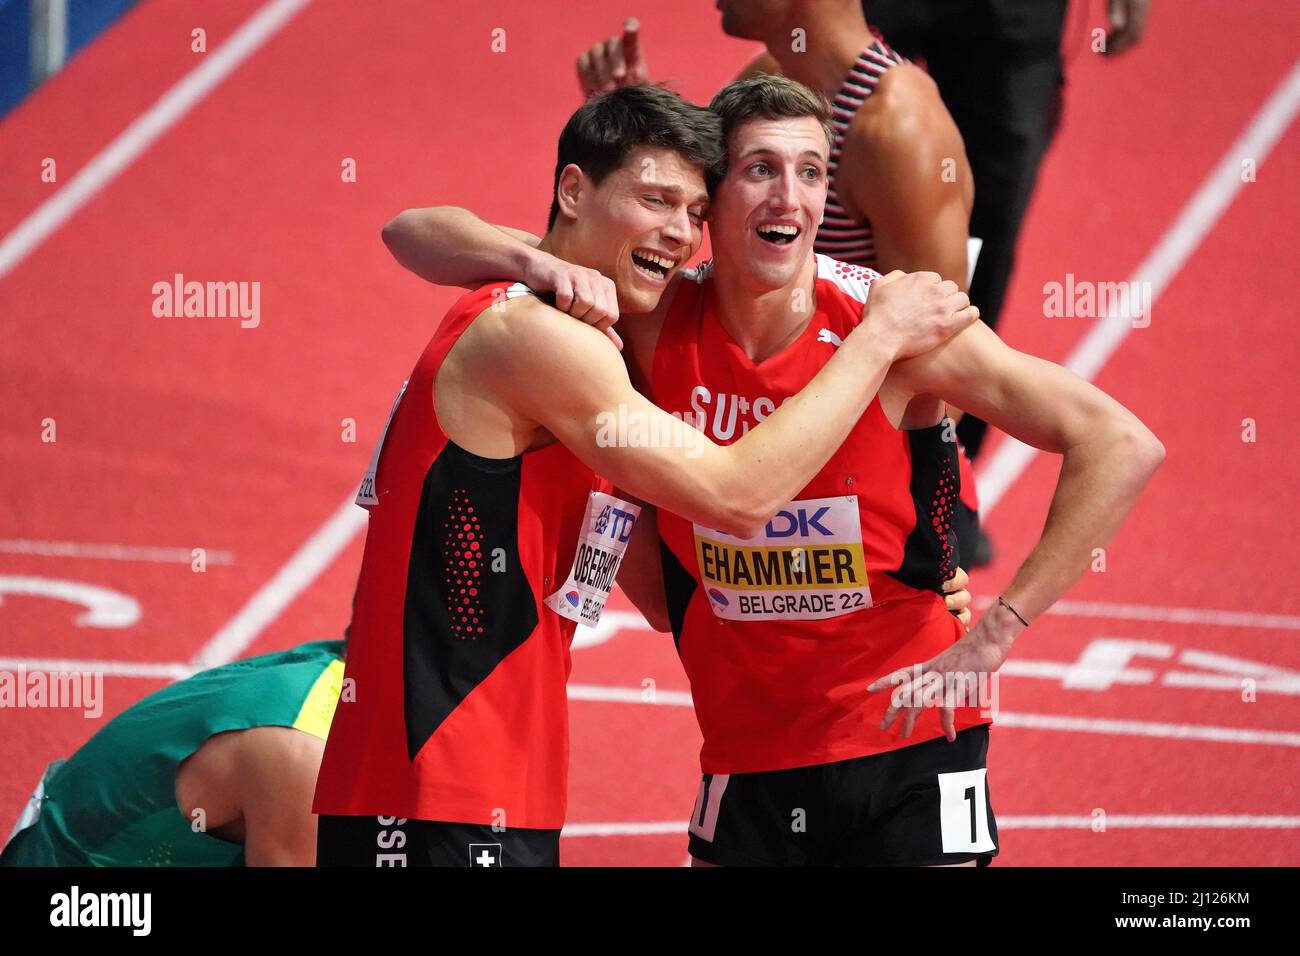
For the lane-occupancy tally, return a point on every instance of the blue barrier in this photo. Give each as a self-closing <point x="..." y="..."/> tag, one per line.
<point x="82" y="21"/>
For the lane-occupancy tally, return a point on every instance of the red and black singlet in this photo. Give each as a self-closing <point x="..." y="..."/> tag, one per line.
<point x="458" y="710"/>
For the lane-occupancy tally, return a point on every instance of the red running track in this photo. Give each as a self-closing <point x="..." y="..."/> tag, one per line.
<point x="184" y="433"/>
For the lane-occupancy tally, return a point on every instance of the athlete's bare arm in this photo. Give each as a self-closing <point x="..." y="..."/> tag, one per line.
<point x="1108" y="455"/>
<point x="522" y="372"/>
<point x="641" y="573"/>
<point x="447" y="245"/>
<point x="255" y="787"/>
<point x="904" y="169"/>
<point x="434" y="242"/>
<point x="277" y="778"/>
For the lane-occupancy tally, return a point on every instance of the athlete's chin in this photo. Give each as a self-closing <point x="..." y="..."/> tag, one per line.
<point x="766" y="276"/>
<point x="733" y="26"/>
<point x="635" y="298"/>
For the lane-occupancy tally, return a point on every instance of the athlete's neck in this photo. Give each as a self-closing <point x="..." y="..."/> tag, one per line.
<point x="556" y="243"/>
<point x="763" y="322"/>
<point x="833" y="38"/>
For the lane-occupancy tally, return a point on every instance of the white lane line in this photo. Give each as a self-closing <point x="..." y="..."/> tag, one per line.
<point x="1151" y="821"/>
<point x="1094" y="725"/>
<point x="1175" y="247"/>
<point x="297" y="574"/>
<point x="630" y="695"/>
<point x="149" y="669"/>
<point x="1103" y="676"/>
<point x="653" y="828"/>
<point x="109" y="162"/>
<point x="678" y="698"/>
<point x="104" y="607"/>
<point x="1113" y="821"/>
<point x="110" y="552"/>
<point x="1171" y="615"/>
<point x="1147" y="728"/>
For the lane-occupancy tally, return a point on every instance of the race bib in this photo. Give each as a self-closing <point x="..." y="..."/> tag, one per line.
<point x="806" y="564"/>
<point x="601" y="545"/>
<point x="366" y="493"/>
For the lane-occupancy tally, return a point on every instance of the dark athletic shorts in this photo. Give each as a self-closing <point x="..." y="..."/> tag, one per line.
<point x="395" y="841"/>
<point x="923" y="805"/>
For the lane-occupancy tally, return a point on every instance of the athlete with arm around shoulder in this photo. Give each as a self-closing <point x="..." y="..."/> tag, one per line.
<point x="451" y="246"/>
<point x="1107" y="457"/>
<point x="536" y="379"/>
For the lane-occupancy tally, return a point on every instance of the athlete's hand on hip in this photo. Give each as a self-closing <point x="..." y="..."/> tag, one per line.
<point x="916" y="311"/>
<point x="583" y="293"/>
<point x="956" y="595"/>
<point x="614" y="62"/>
<point x="964" y="667"/>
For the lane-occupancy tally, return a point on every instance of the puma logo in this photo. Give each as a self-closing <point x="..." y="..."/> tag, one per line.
<point x="826" y="335"/>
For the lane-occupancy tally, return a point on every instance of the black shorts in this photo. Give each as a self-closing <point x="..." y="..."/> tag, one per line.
<point x="923" y="805"/>
<point x="395" y="841"/>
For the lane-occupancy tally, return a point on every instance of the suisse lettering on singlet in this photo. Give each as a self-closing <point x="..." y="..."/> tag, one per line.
<point x="366" y="497"/>
<point x="602" y="542"/>
<point x="805" y="564"/>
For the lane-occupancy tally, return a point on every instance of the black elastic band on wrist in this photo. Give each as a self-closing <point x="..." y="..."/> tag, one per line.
<point x="1013" y="611"/>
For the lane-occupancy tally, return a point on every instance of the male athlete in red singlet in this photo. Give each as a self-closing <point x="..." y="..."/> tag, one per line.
<point x="490" y="535"/>
<point x="795" y="635"/>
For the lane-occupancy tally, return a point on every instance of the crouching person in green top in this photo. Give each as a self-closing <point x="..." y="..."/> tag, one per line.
<point x="215" y="770"/>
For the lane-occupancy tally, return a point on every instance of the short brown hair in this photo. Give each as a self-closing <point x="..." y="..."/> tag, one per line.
<point x="602" y="133"/>
<point x="768" y="96"/>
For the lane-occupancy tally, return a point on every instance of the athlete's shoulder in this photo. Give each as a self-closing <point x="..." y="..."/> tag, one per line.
<point x="903" y="94"/>
<point x="522" y="342"/>
<point x="490" y="294"/>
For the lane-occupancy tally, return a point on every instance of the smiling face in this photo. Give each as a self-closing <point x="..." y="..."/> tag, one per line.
<point x="766" y="211"/>
<point x="640" y="225"/>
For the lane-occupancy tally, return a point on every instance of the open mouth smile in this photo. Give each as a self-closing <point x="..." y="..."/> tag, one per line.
<point x="777" y="233"/>
<point x="652" y="265"/>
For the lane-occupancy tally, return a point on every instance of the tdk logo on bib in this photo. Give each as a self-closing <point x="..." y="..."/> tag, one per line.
<point x="806" y="564"/>
<point x="615" y="523"/>
<point x="601" y="543"/>
<point x="800" y="521"/>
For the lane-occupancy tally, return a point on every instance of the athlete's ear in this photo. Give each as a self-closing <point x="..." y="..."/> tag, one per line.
<point x="569" y="190"/>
